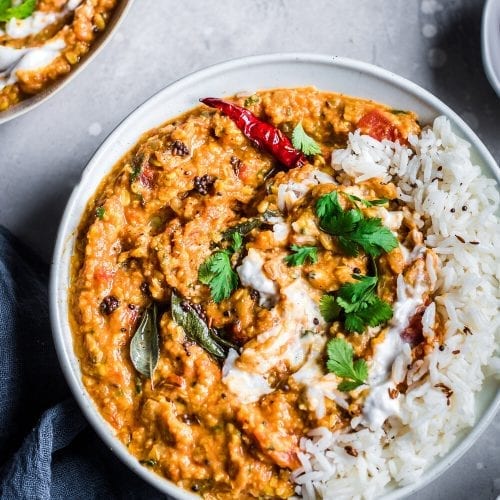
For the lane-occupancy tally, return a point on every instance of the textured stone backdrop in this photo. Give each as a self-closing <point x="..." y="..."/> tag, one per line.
<point x="435" y="44"/>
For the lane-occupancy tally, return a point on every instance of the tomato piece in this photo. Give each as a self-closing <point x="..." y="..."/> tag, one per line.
<point x="277" y="437"/>
<point x="245" y="173"/>
<point x="376" y="125"/>
<point x="103" y="274"/>
<point x="147" y="177"/>
<point x="413" y="333"/>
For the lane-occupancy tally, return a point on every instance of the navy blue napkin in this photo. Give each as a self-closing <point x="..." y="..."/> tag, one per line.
<point x="47" y="450"/>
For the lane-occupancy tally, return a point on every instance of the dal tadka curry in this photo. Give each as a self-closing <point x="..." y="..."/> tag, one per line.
<point x="41" y="40"/>
<point x="230" y="288"/>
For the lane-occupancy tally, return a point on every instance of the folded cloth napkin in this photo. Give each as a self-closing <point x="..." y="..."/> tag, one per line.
<point x="47" y="449"/>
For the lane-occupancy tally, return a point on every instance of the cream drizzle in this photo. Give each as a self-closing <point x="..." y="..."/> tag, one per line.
<point x="14" y="60"/>
<point x="31" y="58"/>
<point x="393" y="354"/>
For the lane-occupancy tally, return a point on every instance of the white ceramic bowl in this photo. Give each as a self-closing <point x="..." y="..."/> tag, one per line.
<point x="34" y="101"/>
<point x="248" y="74"/>
<point x="490" y="42"/>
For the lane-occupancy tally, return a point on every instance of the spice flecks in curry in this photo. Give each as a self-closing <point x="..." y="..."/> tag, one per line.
<point x="198" y="212"/>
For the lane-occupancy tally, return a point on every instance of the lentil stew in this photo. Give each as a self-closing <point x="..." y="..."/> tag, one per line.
<point x="43" y="42"/>
<point x="214" y="287"/>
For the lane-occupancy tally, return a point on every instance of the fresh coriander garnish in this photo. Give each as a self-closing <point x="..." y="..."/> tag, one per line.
<point x="237" y="242"/>
<point x="340" y="361"/>
<point x="301" y="254"/>
<point x="303" y="142"/>
<point x="136" y="171"/>
<point x="21" y="11"/>
<point x="138" y="162"/>
<point x="329" y="308"/>
<point x="328" y="206"/>
<point x="100" y="211"/>
<point x="366" y="203"/>
<point x="217" y="273"/>
<point x="354" y="232"/>
<point x="253" y="99"/>
<point x="359" y="303"/>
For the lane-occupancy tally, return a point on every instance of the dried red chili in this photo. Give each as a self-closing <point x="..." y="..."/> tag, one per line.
<point x="262" y="134"/>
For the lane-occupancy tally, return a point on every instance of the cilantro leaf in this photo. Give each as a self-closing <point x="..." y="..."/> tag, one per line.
<point x="353" y="294"/>
<point x="205" y="274"/>
<point x="340" y="353"/>
<point x="348" y="385"/>
<point x="253" y="99"/>
<point x="303" y="142"/>
<point x="345" y="222"/>
<point x="100" y="212"/>
<point x="361" y="369"/>
<point x="359" y="304"/>
<point x="217" y="273"/>
<point x="237" y="242"/>
<point x="329" y="308"/>
<point x="136" y="171"/>
<point x="301" y="255"/>
<point x="21" y="11"/>
<point x="328" y="206"/>
<point x="374" y="237"/>
<point x="374" y="313"/>
<point x="354" y="232"/>
<point x="354" y="323"/>
<point x="4" y="5"/>
<point x="340" y="361"/>
<point x="366" y="203"/>
<point x="347" y="246"/>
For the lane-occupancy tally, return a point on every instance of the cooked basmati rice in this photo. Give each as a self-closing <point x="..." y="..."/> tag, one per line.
<point x="456" y="206"/>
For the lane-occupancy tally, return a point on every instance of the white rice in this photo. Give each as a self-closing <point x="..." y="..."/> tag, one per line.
<point x="437" y="179"/>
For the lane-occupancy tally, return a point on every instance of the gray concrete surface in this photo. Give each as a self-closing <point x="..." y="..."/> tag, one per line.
<point x="435" y="44"/>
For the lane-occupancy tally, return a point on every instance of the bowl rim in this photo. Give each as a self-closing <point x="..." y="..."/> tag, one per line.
<point x="30" y="103"/>
<point x="491" y="8"/>
<point x="60" y="325"/>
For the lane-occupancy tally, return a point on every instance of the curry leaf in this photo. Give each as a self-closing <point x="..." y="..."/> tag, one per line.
<point x="196" y="329"/>
<point x="243" y="228"/>
<point x="151" y="462"/>
<point x="144" y="347"/>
